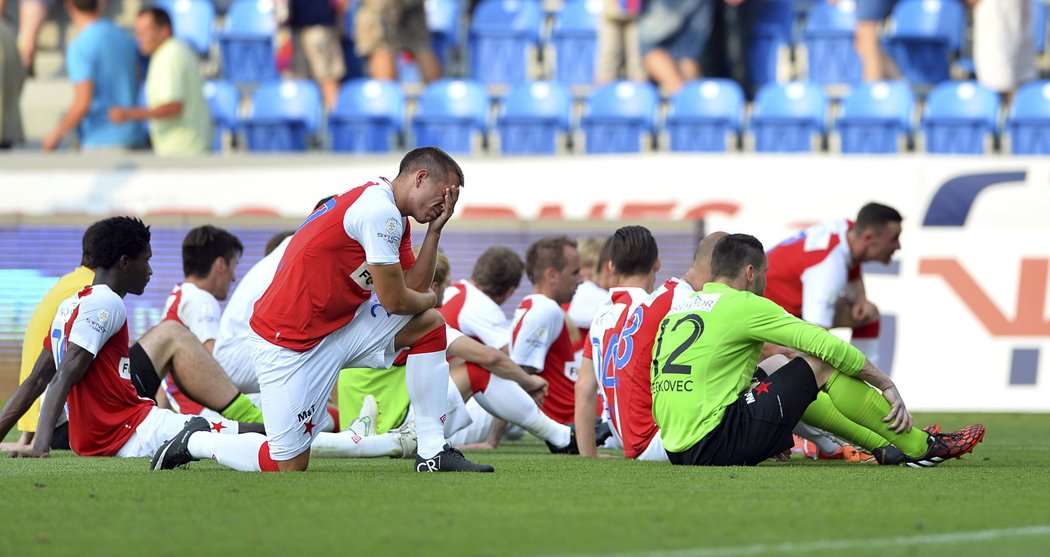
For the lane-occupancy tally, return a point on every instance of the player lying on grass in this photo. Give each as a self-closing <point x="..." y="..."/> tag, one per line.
<point x="705" y="355"/>
<point x="502" y="389"/>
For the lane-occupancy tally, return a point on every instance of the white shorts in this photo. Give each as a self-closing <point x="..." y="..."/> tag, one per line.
<point x="477" y="431"/>
<point x="655" y="451"/>
<point x="160" y="425"/>
<point x="235" y="358"/>
<point x="296" y="386"/>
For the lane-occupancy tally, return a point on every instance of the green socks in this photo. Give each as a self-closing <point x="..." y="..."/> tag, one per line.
<point x="242" y="410"/>
<point x="823" y="414"/>
<point x="865" y="406"/>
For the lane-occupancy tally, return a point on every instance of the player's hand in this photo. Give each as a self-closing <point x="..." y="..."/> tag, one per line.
<point x="12" y="449"/>
<point x="863" y="311"/>
<point x="447" y="208"/>
<point x="118" y="115"/>
<point x="899" y="419"/>
<point x="537" y="389"/>
<point x="50" y="143"/>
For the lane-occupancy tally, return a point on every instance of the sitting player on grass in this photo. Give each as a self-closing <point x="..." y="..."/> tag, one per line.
<point x="705" y="355"/>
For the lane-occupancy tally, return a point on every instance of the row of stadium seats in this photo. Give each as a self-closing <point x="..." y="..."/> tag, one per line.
<point x="512" y="41"/>
<point x="959" y="117"/>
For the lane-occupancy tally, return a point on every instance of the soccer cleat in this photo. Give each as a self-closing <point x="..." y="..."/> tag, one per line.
<point x="406" y="438"/>
<point x="571" y="448"/>
<point x="175" y="452"/>
<point x="932" y="429"/>
<point x="366" y="418"/>
<point x="940" y="447"/>
<point x="449" y="460"/>
<point x="602" y="433"/>
<point x="848" y="453"/>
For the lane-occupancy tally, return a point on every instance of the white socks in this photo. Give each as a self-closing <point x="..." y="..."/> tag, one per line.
<point x="348" y="444"/>
<point x="426" y="376"/>
<point x="508" y="401"/>
<point x="240" y="452"/>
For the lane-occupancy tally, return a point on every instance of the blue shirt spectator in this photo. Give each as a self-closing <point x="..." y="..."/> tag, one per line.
<point x="103" y="67"/>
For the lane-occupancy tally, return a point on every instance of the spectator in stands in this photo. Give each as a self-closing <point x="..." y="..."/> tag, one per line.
<point x="384" y="28"/>
<point x="12" y="74"/>
<point x="102" y="63"/>
<point x="31" y="17"/>
<point x="619" y="55"/>
<point x="673" y="34"/>
<point x="180" y="123"/>
<point x="317" y="52"/>
<point x="870" y="16"/>
<point x="1003" y="44"/>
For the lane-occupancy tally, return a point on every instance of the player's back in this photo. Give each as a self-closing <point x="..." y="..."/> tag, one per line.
<point x="540" y="340"/>
<point x="818" y="249"/>
<point x="636" y="425"/>
<point x="476" y="315"/>
<point x="195" y="308"/>
<point x="611" y="346"/>
<point x="323" y="276"/>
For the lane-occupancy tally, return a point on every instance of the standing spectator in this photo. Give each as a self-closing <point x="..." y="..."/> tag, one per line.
<point x="180" y="123"/>
<point x="102" y="65"/>
<point x="383" y="28"/>
<point x="673" y="34"/>
<point x="31" y="17"/>
<point x="1003" y="45"/>
<point x="619" y="55"/>
<point x="11" y="77"/>
<point x="317" y="52"/>
<point x="870" y="16"/>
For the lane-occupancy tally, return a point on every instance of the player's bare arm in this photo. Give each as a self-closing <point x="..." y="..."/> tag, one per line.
<point x="27" y="392"/>
<point x="899" y="419"/>
<point x="395" y="296"/>
<point x="82" y="95"/>
<point x="75" y="363"/>
<point x="586" y="408"/>
<point x="498" y="363"/>
<point x="421" y="276"/>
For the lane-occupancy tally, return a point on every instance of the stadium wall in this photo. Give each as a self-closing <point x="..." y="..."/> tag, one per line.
<point x="965" y="299"/>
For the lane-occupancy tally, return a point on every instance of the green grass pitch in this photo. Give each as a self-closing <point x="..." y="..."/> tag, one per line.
<point x="994" y="502"/>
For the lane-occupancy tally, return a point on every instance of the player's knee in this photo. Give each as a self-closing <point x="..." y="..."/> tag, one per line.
<point x="773" y="363"/>
<point x="821" y="370"/>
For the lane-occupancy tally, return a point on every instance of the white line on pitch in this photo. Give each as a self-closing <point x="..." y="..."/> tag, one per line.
<point x="827" y="545"/>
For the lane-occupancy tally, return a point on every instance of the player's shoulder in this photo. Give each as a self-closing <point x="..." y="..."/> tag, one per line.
<point x="193" y="293"/>
<point x="102" y="301"/>
<point x="541" y="306"/>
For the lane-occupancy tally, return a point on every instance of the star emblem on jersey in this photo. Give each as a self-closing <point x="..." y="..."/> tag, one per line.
<point x="217" y="427"/>
<point x="309" y="428"/>
<point x="762" y="387"/>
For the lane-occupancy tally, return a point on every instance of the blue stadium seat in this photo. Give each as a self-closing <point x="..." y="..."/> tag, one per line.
<point x="283" y="115"/>
<point x="575" y="40"/>
<point x="704" y="115"/>
<point x="192" y="21"/>
<point x="1029" y="120"/>
<point x="367" y="116"/>
<point x="451" y="112"/>
<point x="354" y="67"/>
<point x="1040" y="21"/>
<point x="875" y="117"/>
<point x="830" y="54"/>
<point x="443" y="22"/>
<point x="617" y="115"/>
<point x="502" y="34"/>
<point x="923" y="36"/>
<point x="532" y="117"/>
<point x="788" y="118"/>
<point x="247" y="42"/>
<point x="224" y="102"/>
<point x="960" y="117"/>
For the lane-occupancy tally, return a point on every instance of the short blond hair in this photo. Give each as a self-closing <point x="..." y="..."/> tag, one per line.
<point x="590" y="250"/>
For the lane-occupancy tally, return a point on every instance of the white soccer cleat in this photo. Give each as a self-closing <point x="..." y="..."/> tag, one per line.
<point x="365" y="423"/>
<point x="406" y="439"/>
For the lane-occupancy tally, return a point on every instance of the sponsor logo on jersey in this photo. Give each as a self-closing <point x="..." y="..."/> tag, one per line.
<point x="95" y="325"/>
<point x="103" y="315"/>
<point x="124" y="368"/>
<point x="391" y="225"/>
<point x="362" y="277"/>
<point x="305" y="414"/>
<point x="697" y="302"/>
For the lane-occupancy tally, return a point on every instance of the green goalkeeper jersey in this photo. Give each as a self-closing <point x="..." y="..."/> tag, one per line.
<point x="706" y="351"/>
